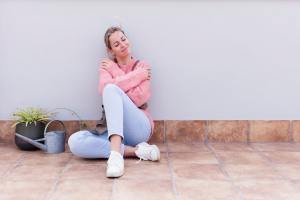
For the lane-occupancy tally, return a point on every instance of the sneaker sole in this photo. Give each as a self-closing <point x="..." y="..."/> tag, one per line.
<point x="114" y="175"/>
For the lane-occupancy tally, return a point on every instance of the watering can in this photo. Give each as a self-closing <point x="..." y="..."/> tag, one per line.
<point x="54" y="140"/>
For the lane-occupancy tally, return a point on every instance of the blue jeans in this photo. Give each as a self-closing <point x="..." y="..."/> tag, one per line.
<point x="123" y="118"/>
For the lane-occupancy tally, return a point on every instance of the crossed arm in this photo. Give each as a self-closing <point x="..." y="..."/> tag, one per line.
<point x="135" y="83"/>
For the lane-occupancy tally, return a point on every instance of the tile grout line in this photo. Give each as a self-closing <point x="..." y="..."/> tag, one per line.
<point x="248" y="131"/>
<point x="221" y="167"/>
<point x="270" y="162"/>
<point x="289" y="180"/>
<point x="218" y="159"/>
<point x="164" y="133"/>
<point x="170" y="167"/>
<point x="113" y="189"/>
<point x="58" y="179"/>
<point x="290" y="132"/>
<point x="14" y="166"/>
<point x="11" y="168"/>
<point x="206" y="132"/>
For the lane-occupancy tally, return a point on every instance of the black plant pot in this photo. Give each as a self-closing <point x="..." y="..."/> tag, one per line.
<point x="31" y="131"/>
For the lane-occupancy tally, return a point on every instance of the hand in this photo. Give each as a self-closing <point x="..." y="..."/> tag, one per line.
<point x="106" y="64"/>
<point x="148" y="71"/>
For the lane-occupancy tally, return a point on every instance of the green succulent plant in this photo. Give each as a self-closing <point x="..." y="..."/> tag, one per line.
<point x="31" y="115"/>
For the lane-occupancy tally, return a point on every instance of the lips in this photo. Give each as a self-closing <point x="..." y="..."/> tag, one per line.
<point x="125" y="49"/>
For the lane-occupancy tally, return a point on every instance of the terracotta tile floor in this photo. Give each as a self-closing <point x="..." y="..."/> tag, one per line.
<point x="220" y="171"/>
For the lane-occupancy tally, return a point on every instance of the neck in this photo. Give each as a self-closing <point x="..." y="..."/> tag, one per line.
<point x="124" y="60"/>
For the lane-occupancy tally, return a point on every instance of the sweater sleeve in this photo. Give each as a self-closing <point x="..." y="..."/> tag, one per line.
<point x="125" y="81"/>
<point x="141" y="93"/>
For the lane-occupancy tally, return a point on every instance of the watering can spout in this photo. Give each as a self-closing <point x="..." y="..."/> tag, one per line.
<point x="33" y="142"/>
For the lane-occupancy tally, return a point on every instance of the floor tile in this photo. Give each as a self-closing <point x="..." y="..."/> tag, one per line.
<point x="136" y="189"/>
<point x="27" y="190"/>
<point x="143" y="170"/>
<point x="91" y="189"/>
<point x="296" y="184"/>
<point x="241" y="158"/>
<point x="277" y="146"/>
<point x="196" y="158"/>
<point x="4" y="168"/>
<point x="178" y="147"/>
<point x="42" y="158"/>
<point x="84" y="172"/>
<point x="75" y="160"/>
<point x="248" y="171"/>
<point x="267" y="190"/>
<point x="30" y="172"/>
<point x="198" y="171"/>
<point x="163" y="160"/>
<point x="190" y="189"/>
<point x="281" y="157"/>
<point x="10" y="154"/>
<point x="230" y="147"/>
<point x="289" y="171"/>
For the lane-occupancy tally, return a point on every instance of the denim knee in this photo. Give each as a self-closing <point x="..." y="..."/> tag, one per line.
<point x="75" y="142"/>
<point x="111" y="87"/>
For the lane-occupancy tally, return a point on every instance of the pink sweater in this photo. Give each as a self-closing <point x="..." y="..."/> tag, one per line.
<point x="133" y="82"/>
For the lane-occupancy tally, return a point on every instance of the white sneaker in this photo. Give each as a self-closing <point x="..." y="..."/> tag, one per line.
<point x="146" y="151"/>
<point x="115" y="165"/>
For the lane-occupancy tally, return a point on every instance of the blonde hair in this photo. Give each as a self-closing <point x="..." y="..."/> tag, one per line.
<point x="109" y="32"/>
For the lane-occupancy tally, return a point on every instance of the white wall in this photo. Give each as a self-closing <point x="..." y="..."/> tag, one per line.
<point x="210" y="59"/>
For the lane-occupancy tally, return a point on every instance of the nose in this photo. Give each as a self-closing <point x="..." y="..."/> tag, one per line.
<point x="123" y="44"/>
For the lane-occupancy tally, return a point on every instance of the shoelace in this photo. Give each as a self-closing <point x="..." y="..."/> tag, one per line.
<point x="137" y="162"/>
<point x="142" y="157"/>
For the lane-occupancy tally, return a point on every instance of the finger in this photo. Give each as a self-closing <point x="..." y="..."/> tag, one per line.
<point x="105" y="62"/>
<point x="108" y="60"/>
<point x="108" y="63"/>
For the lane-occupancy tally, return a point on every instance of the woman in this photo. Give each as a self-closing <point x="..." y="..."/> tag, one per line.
<point x="124" y="85"/>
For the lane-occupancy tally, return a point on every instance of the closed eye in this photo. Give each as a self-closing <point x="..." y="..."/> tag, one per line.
<point x="117" y="43"/>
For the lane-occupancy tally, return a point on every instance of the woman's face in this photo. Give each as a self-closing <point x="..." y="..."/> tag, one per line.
<point x="120" y="45"/>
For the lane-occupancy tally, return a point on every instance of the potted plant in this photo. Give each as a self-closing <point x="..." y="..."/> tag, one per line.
<point x="30" y="122"/>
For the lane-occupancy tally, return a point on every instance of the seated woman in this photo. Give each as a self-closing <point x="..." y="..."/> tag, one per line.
<point x="124" y="85"/>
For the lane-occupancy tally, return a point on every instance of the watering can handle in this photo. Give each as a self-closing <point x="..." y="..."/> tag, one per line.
<point x="53" y="121"/>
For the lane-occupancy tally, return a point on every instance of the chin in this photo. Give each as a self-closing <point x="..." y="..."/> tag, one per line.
<point x="125" y="54"/>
